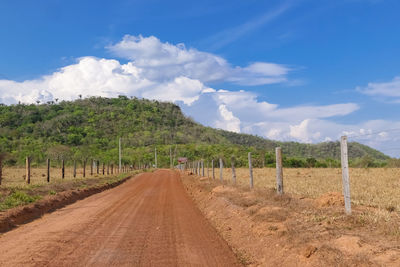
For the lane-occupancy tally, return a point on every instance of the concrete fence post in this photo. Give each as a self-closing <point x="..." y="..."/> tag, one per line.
<point x="279" y="171"/>
<point x="221" y="166"/>
<point x="251" y="171"/>
<point x="213" y="170"/>
<point x="345" y="174"/>
<point x="233" y="170"/>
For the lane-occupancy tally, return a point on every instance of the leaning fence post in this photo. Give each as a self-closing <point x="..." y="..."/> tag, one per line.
<point x="28" y="170"/>
<point x="48" y="170"/>
<point x="279" y="171"/>
<point x="233" y="170"/>
<point x="221" y="166"/>
<point x="250" y="171"/>
<point x="345" y="174"/>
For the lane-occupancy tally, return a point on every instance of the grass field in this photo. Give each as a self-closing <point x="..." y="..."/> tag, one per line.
<point x="14" y="191"/>
<point x="376" y="187"/>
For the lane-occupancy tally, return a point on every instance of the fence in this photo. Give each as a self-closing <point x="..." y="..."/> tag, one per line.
<point x="197" y="167"/>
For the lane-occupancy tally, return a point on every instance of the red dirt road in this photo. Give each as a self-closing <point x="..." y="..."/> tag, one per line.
<point x="147" y="221"/>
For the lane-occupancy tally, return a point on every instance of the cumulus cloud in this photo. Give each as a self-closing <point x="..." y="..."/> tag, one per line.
<point x="175" y="73"/>
<point x="227" y="120"/>
<point x="162" y="61"/>
<point x="99" y="77"/>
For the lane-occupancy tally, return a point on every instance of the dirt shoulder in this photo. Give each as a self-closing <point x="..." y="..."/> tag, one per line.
<point x="264" y="229"/>
<point x="22" y="205"/>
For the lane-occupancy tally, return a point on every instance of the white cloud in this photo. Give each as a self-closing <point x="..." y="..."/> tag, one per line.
<point x="384" y="89"/>
<point x="230" y="35"/>
<point x="227" y="120"/>
<point x="173" y="73"/>
<point x="163" y="61"/>
<point x="99" y="77"/>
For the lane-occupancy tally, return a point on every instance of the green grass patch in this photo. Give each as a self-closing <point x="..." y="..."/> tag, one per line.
<point x="17" y="198"/>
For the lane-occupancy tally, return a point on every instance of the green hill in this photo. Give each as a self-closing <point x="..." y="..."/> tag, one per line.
<point x="90" y="128"/>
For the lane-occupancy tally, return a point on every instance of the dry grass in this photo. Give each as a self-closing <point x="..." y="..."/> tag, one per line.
<point x="376" y="187"/>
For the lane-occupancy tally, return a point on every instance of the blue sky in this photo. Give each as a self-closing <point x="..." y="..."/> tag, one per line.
<point x="305" y="70"/>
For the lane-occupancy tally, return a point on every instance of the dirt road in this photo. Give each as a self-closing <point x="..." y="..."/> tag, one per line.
<point x="147" y="221"/>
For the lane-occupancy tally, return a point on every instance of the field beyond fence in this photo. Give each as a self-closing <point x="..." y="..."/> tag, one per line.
<point x="375" y="187"/>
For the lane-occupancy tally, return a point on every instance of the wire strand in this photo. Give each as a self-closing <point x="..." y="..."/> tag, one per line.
<point x="374" y="133"/>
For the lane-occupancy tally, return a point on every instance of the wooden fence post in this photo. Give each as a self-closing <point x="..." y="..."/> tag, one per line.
<point x="112" y="168"/>
<point x="108" y="168"/>
<point x="48" y="170"/>
<point x="213" y="171"/>
<point x="233" y="170"/>
<point x="91" y="168"/>
<point x="97" y="167"/>
<point x="62" y="169"/>
<point x="251" y="171"/>
<point x="1" y="167"/>
<point x="345" y="174"/>
<point x="74" y="174"/>
<point x="103" y="168"/>
<point x="279" y="171"/>
<point x="28" y="170"/>
<point x="221" y="166"/>
<point x="84" y="168"/>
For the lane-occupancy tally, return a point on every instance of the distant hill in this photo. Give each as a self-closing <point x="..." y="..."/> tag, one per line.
<point x="89" y="128"/>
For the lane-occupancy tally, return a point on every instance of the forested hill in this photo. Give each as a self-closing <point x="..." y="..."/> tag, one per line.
<point x="91" y="127"/>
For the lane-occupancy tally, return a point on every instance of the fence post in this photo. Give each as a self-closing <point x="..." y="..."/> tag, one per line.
<point x="28" y="170"/>
<point x="91" y="168"/>
<point x="74" y="168"/>
<point x="112" y="168"/>
<point x="84" y="168"/>
<point x="202" y="167"/>
<point x="48" y="170"/>
<point x="345" y="174"/>
<point x="251" y="171"/>
<point x="1" y="167"/>
<point x="199" y="168"/>
<point x="62" y="169"/>
<point x="233" y="170"/>
<point x="279" y="171"/>
<point x="97" y="166"/>
<point x="213" y="171"/>
<point x="221" y="166"/>
<point x="103" y="168"/>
